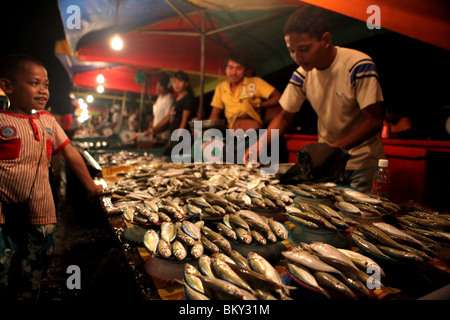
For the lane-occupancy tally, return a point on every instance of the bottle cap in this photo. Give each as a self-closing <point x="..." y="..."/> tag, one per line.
<point x="383" y="163"/>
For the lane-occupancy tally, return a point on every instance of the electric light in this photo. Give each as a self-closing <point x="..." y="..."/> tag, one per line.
<point x="117" y="43"/>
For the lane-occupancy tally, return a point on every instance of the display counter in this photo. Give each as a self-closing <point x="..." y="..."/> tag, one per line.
<point x="418" y="168"/>
<point x="161" y="279"/>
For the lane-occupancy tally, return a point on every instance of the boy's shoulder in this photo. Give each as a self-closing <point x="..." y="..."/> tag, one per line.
<point x="350" y="57"/>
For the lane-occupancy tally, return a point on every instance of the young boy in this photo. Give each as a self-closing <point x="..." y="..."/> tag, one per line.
<point x="342" y="86"/>
<point x="29" y="136"/>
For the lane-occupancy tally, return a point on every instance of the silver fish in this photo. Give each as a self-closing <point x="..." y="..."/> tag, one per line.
<point x="226" y="289"/>
<point x="164" y="249"/>
<point x="308" y="260"/>
<point x="262" y="266"/>
<point x="305" y="276"/>
<point x="361" y="260"/>
<point x="244" y="235"/>
<point x="191" y="294"/>
<point x="197" y="249"/>
<point x="223" y="271"/>
<point x="278" y="229"/>
<point x="191" y="277"/>
<point x="179" y="250"/>
<point x="168" y="231"/>
<point x="151" y="239"/>
<point x="330" y="282"/>
<point x="191" y="229"/>
<point x="330" y="251"/>
<point x="204" y="264"/>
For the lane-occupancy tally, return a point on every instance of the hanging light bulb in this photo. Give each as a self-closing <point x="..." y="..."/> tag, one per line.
<point x="90" y="98"/>
<point x="100" y="79"/>
<point x="116" y="42"/>
<point x="100" y="89"/>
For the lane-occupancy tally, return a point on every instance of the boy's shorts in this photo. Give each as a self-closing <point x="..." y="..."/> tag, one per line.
<point x="21" y="269"/>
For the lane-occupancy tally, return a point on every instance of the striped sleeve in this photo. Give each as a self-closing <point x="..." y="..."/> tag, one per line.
<point x="297" y="79"/>
<point x="293" y="95"/>
<point x="364" y="78"/>
<point x="362" y="69"/>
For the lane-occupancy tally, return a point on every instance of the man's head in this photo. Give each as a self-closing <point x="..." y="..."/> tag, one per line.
<point x="308" y="38"/>
<point x="236" y="66"/>
<point x="24" y="80"/>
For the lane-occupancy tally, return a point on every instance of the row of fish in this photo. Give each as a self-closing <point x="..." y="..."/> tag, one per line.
<point x="181" y="240"/>
<point x="430" y="227"/>
<point x="248" y="227"/>
<point x="347" y="200"/>
<point x="389" y="242"/>
<point x="333" y="272"/>
<point x="318" y="216"/>
<point x="233" y="277"/>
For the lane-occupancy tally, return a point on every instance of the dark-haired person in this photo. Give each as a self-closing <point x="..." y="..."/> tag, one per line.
<point x="29" y="136"/>
<point x="343" y="88"/>
<point x="161" y="108"/>
<point x="182" y="110"/>
<point x="241" y="98"/>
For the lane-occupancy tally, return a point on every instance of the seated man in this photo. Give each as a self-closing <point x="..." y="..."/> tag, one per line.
<point x="242" y="97"/>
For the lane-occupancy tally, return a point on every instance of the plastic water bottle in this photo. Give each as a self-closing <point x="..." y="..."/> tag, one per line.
<point x="381" y="183"/>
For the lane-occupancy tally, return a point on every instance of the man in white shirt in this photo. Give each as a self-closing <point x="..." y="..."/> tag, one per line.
<point x="343" y="88"/>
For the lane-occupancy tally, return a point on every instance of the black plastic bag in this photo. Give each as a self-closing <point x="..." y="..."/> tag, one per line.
<point x="317" y="162"/>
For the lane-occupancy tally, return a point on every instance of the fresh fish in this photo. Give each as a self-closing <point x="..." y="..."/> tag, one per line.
<point x="197" y="249"/>
<point x="399" y="254"/>
<point x="262" y="266"/>
<point x="330" y="282"/>
<point x="257" y="280"/>
<point x="184" y="238"/>
<point x="217" y="239"/>
<point x="309" y="260"/>
<point x="239" y="259"/>
<point x="237" y="221"/>
<point x="244" y="235"/>
<point x="223" y="271"/>
<point x="191" y="229"/>
<point x="254" y="220"/>
<point x="226" y="289"/>
<point x="192" y="208"/>
<point x="209" y="245"/>
<point x="191" y="277"/>
<point x="258" y="238"/>
<point x="164" y="249"/>
<point x="191" y="294"/>
<point x="271" y="236"/>
<point x="330" y="251"/>
<point x="378" y="235"/>
<point x="204" y="264"/>
<point x="179" y="250"/>
<point x="366" y="245"/>
<point x="162" y="217"/>
<point x="399" y="235"/>
<point x="168" y="231"/>
<point x="226" y="231"/>
<point x="303" y="222"/>
<point x="151" y="239"/>
<point x="303" y="275"/>
<point x="361" y="260"/>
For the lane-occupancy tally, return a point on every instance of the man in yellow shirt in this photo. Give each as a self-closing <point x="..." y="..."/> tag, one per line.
<point x="242" y="97"/>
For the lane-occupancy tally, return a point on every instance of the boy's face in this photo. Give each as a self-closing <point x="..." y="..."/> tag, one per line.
<point x="29" y="89"/>
<point x="307" y="51"/>
<point x="235" y="72"/>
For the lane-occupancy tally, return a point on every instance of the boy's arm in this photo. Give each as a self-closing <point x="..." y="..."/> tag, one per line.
<point x="77" y="164"/>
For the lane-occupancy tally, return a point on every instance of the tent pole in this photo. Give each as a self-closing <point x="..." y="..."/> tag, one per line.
<point x="200" y="112"/>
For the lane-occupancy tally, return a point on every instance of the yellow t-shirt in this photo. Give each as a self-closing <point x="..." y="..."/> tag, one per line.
<point x="238" y="105"/>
